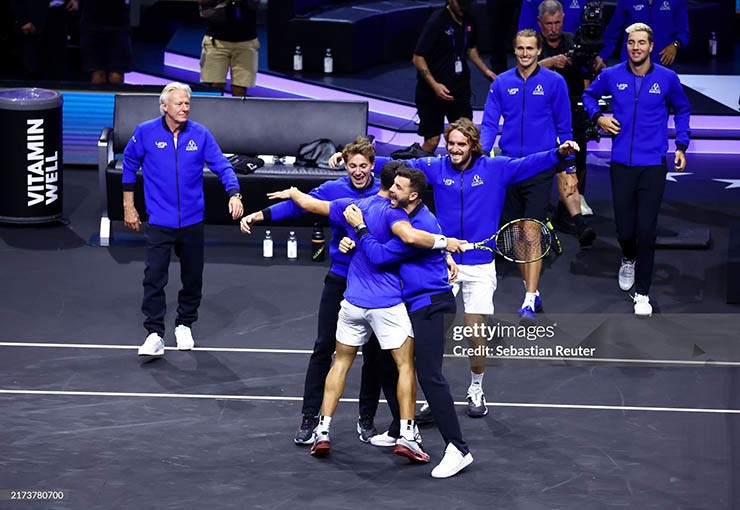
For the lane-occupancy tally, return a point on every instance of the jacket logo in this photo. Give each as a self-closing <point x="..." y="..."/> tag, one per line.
<point x="622" y="86"/>
<point x="477" y="181"/>
<point x="161" y="145"/>
<point x="513" y="91"/>
<point x="665" y="6"/>
<point x="538" y="91"/>
<point x="133" y="138"/>
<point x="449" y="182"/>
<point x="655" y="89"/>
<point x="639" y="7"/>
<point x="575" y="5"/>
<point x="191" y="146"/>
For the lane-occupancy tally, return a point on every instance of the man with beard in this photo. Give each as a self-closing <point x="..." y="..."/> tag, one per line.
<point x="642" y="95"/>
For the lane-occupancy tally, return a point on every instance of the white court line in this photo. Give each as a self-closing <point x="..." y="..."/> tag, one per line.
<point x="299" y="399"/>
<point x="308" y="351"/>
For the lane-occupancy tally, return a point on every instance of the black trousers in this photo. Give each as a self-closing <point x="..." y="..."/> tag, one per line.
<point x="504" y="15"/>
<point x="429" y="342"/>
<point x="188" y="245"/>
<point x="323" y="349"/>
<point x="637" y="192"/>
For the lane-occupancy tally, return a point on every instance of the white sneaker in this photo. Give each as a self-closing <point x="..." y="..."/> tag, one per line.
<point x="152" y="346"/>
<point x="452" y="463"/>
<point x="184" y="338"/>
<point x="386" y="439"/>
<point x="477" y="407"/>
<point x="585" y="208"/>
<point x="643" y="308"/>
<point x="626" y="274"/>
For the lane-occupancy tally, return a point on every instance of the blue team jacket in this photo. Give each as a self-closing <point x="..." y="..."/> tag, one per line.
<point x="669" y="20"/>
<point x="330" y="190"/>
<point x="423" y="272"/>
<point x="643" y="115"/>
<point x="173" y="177"/>
<point x="536" y="112"/>
<point x="468" y="203"/>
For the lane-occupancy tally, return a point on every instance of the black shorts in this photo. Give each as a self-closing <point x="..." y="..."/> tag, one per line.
<point x="432" y="110"/>
<point x="106" y="49"/>
<point x="529" y="198"/>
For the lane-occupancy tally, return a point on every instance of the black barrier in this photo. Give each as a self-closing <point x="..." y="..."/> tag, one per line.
<point x="31" y="172"/>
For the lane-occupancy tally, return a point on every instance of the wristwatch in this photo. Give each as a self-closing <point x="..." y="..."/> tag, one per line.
<point x="237" y="195"/>
<point x="570" y="169"/>
<point x="677" y="43"/>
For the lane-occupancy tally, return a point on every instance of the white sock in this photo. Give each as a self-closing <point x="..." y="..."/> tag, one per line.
<point x="407" y="429"/>
<point x="324" y="422"/>
<point x="476" y="379"/>
<point x="529" y="299"/>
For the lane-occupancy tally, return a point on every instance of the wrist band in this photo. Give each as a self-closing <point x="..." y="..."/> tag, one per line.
<point x="440" y="242"/>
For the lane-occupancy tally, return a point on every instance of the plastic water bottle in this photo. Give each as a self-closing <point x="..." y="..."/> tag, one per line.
<point x="713" y="44"/>
<point x="267" y="245"/>
<point x="292" y="246"/>
<point x="318" y="244"/>
<point x="298" y="59"/>
<point x="328" y="62"/>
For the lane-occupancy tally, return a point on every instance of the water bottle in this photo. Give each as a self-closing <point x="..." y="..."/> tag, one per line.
<point x="318" y="244"/>
<point x="713" y="44"/>
<point x="297" y="59"/>
<point x="328" y="62"/>
<point x="292" y="246"/>
<point x="267" y="245"/>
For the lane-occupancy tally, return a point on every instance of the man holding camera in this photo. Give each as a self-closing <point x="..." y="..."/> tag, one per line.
<point x="559" y="54"/>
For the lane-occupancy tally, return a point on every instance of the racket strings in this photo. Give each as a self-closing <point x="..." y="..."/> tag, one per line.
<point x="523" y="240"/>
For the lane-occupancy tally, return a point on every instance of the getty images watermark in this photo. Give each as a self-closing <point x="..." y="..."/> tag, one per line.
<point x="537" y="341"/>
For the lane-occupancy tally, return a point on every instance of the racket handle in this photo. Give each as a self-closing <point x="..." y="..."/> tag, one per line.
<point x="555" y="239"/>
<point x="466" y="246"/>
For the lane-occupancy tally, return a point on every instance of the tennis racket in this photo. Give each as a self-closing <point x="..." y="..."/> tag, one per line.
<point x="523" y="241"/>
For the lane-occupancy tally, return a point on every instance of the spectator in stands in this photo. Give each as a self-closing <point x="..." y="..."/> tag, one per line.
<point x="668" y="19"/>
<point x="105" y="40"/>
<point x="171" y="151"/>
<point x="639" y="146"/>
<point x="441" y="56"/>
<point x="43" y="24"/>
<point x="231" y="42"/>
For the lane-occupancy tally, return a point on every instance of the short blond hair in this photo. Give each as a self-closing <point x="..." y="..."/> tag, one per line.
<point x="640" y="27"/>
<point x="164" y="97"/>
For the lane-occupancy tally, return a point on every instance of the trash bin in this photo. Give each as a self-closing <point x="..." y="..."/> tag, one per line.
<point x="31" y="167"/>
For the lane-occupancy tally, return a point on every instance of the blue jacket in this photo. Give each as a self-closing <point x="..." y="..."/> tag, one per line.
<point x="536" y="113"/>
<point x="572" y="9"/>
<point x="643" y="114"/>
<point x="367" y="285"/>
<point x="469" y="202"/>
<point x="173" y="177"/>
<point x="669" y="20"/>
<point x="330" y="190"/>
<point x="423" y="272"/>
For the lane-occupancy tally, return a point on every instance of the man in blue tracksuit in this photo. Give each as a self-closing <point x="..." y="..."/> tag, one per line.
<point x="535" y="106"/>
<point x="469" y="191"/>
<point x="642" y="93"/>
<point x="668" y="19"/>
<point x="428" y="297"/>
<point x="171" y="152"/>
<point x="358" y="183"/>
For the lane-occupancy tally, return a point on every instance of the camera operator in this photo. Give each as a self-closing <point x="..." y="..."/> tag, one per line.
<point x="558" y="55"/>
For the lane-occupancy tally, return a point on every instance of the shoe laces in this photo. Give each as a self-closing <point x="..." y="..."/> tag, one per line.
<point x="628" y="266"/>
<point x="640" y="299"/>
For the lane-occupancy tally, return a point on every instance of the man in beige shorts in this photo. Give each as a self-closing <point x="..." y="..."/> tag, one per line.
<point x="230" y="41"/>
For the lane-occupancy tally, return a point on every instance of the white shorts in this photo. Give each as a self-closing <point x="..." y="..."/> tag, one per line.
<point x="390" y="325"/>
<point x="478" y="285"/>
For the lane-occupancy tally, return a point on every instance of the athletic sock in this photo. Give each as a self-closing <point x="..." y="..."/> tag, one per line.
<point x="407" y="430"/>
<point x="580" y="222"/>
<point x="324" y="422"/>
<point x="476" y="379"/>
<point x="529" y="298"/>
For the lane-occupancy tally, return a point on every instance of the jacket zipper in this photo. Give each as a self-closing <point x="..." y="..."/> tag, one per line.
<point x="177" y="184"/>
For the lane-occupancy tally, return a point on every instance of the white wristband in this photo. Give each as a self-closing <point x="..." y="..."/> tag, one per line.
<point x="440" y="242"/>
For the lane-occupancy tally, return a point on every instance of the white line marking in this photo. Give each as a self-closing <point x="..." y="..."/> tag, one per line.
<point x="299" y="399"/>
<point x="308" y="351"/>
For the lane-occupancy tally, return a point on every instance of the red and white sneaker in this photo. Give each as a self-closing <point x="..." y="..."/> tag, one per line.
<point x="321" y="444"/>
<point x="411" y="450"/>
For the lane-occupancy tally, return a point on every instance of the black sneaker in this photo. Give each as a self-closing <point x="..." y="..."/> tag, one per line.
<point x="586" y="237"/>
<point x="366" y="429"/>
<point x="424" y="415"/>
<point x="305" y="432"/>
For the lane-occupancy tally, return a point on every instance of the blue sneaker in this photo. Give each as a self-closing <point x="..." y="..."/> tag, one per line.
<point x="537" y="304"/>
<point x="527" y="316"/>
